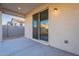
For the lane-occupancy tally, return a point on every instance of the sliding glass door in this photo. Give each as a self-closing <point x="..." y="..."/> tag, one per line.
<point x="35" y="26"/>
<point x="40" y="25"/>
<point x="44" y="25"/>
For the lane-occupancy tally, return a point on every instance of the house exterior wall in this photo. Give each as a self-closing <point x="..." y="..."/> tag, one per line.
<point x="28" y="23"/>
<point x="63" y="26"/>
<point x="0" y="26"/>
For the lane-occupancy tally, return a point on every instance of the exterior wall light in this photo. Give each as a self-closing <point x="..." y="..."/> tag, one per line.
<point x="55" y="11"/>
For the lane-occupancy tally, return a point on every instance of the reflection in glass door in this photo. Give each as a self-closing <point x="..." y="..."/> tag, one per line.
<point x="40" y="25"/>
<point x="35" y="26"/>
<point x="44" y="25"/>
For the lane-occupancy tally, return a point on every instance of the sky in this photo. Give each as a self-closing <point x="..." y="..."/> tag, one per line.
<point x="6" y="18"/>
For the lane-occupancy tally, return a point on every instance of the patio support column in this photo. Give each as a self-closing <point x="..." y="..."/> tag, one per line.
<point x="0" y="26"/>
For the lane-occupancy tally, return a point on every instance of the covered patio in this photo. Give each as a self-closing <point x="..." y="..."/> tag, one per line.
<point x="50" y="29"/>
<point x="27" y="47"/>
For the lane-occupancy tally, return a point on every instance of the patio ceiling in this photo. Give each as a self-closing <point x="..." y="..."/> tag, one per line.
<point x="18" y="9"/>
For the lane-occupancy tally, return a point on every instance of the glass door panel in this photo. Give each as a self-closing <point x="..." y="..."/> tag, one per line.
<point x="44" y="25"/>
<point x="35" y="26"/>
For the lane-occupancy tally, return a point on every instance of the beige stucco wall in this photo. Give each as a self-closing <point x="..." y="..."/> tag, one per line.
<point x="62" y="26"/>
<point x="0" y="26"/>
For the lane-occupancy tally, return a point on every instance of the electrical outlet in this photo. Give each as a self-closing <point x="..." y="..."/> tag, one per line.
<point x="65" y="41"/>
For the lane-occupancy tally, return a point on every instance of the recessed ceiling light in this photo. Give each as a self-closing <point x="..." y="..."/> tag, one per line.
<point x="19" y="8"/>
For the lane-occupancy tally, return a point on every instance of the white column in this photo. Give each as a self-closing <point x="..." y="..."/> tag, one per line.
<point x="0" y="26"/>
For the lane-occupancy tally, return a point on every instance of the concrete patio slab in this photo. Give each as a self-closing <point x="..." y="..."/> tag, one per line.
<point x="27" y="47"/>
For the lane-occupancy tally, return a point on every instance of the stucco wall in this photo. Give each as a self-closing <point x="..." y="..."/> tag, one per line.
<point x="62" y="26"/>
<point x="0" y="26"/>
<point x="65" y="26"/>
